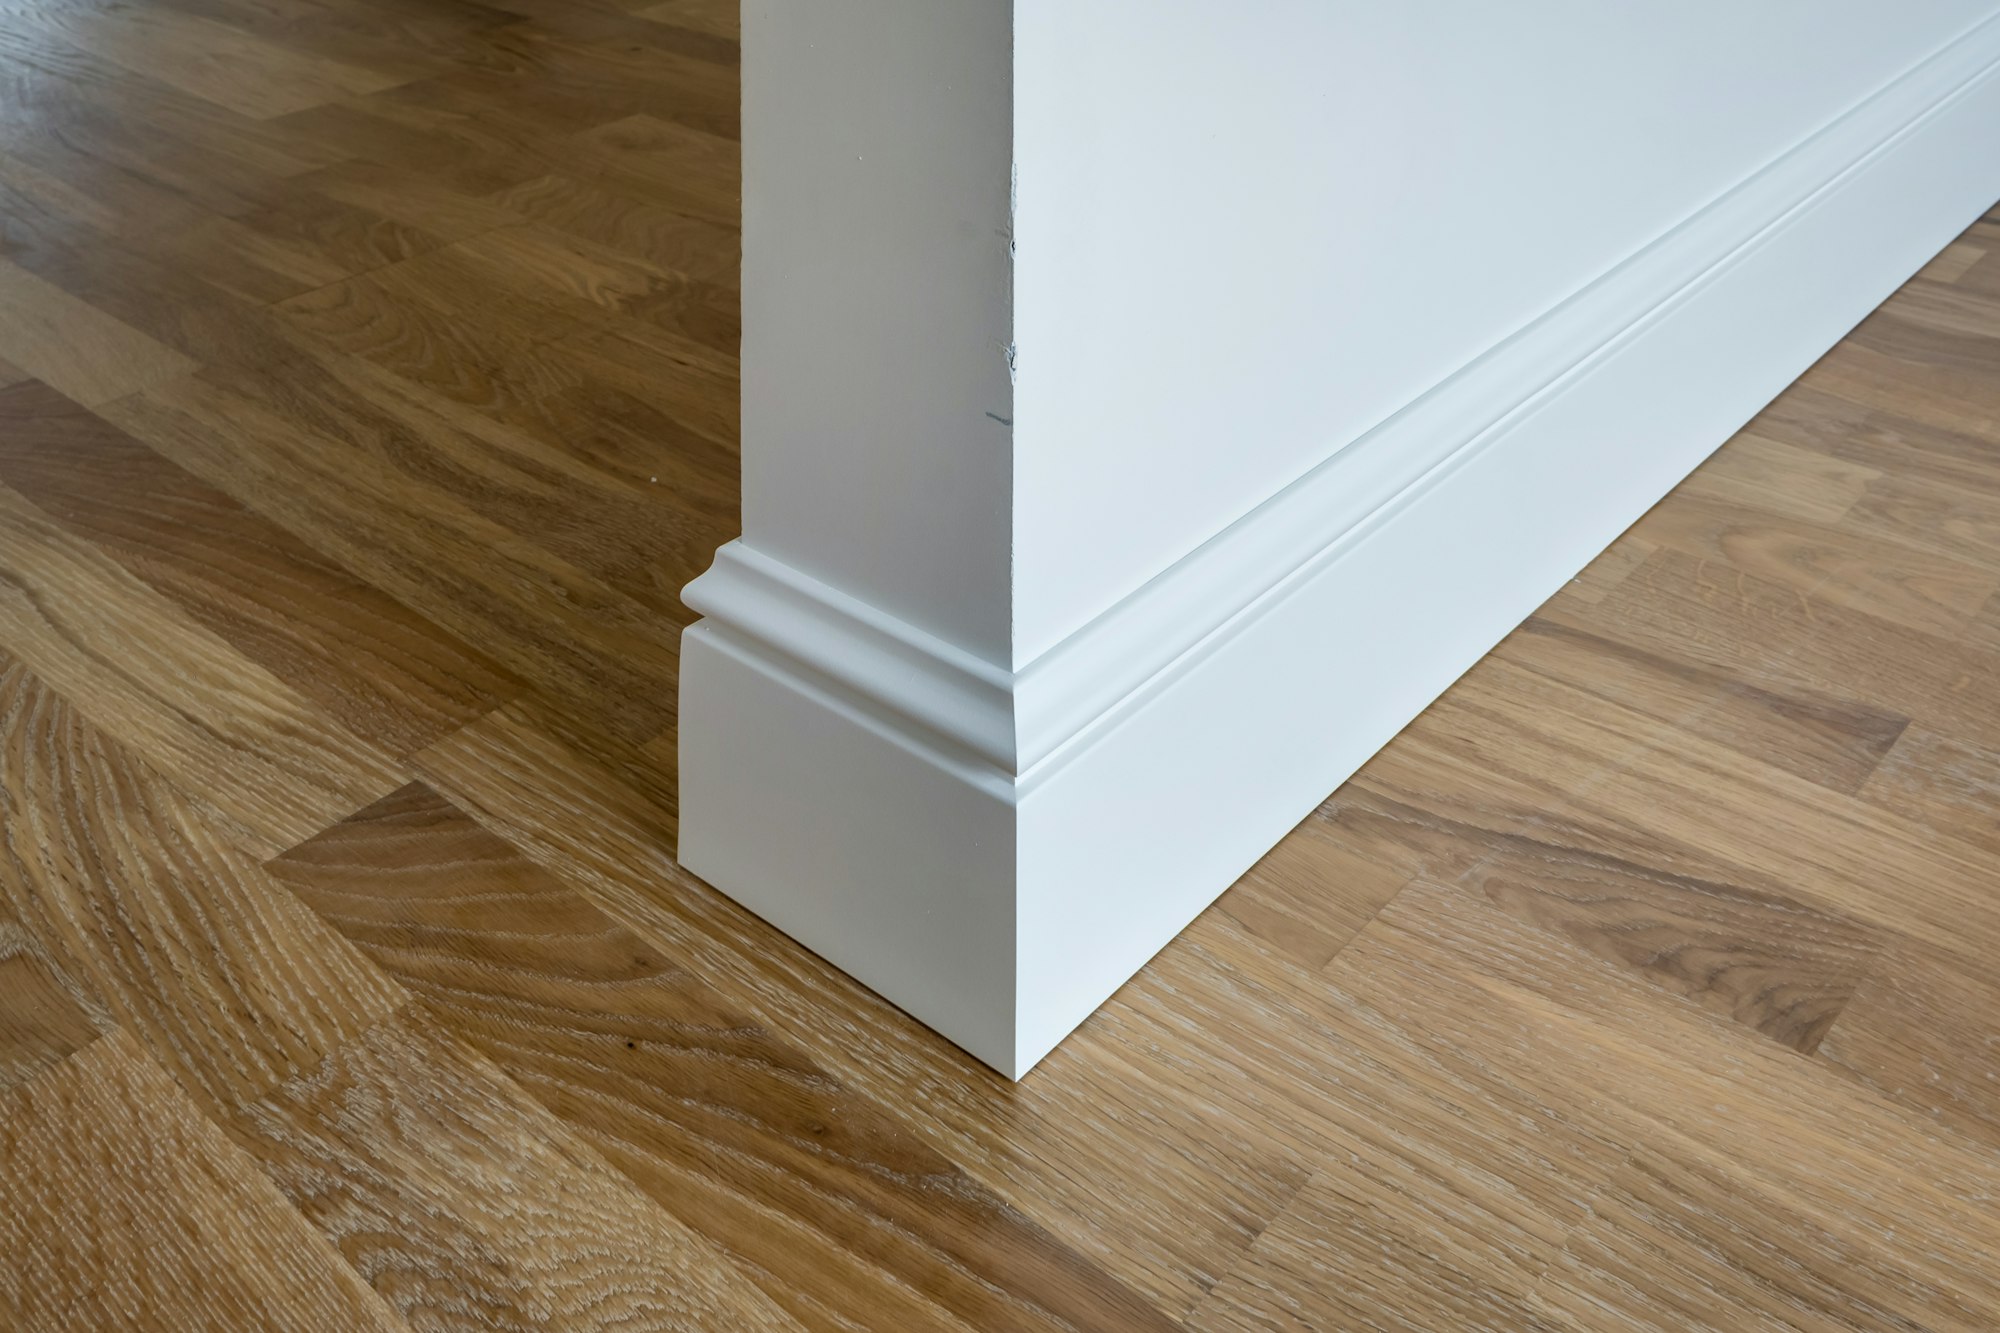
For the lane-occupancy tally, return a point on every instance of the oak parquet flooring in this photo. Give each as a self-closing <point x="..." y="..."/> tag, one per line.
<point x="216" y="62"/>
<point x="1943" y="783"/>
<point x="343" y="239"/>
<point x="1835" y="742"/>
<point x="535" y="614"/>
<point x="626" y="220"/>
<point x="198" y="322"/>
<point x="122" y="1206"/>
<point x="1309" y="895"/>
<point x="73" y="112"/>
<point x="1769" y="638"/>
<point x="693" y="172"/>
<point x="385" y="674"/>
<point x="426" y="214"/>
<point x="1954" y="523"/>
<point x="401" y="42"/>
<point x="1909" y="1035"/>
<point x="1052" y="1140"/>
<point x="233" y="989"/>
<point x="1645" y="981"/>
<point x="718" y="18"/>
<point x="1888" y="580"/>
<point x="181" y="696"/>
<point x="466" y="1204"/>
<point x="825" y="1199"/>
<point x="1781" y="478"/>
<point x="1656" y="794"/>
<point x="1838" y="1163"/>
<point x="75" y="346"/>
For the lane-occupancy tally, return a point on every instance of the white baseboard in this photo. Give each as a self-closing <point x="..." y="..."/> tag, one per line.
<point x="998" y="852"/>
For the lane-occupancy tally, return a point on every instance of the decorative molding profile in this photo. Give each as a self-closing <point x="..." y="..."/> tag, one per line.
<point x="998" y="851"/>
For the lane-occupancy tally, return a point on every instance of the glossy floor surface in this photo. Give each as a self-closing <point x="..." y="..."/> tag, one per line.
<point x="367" y="392"/>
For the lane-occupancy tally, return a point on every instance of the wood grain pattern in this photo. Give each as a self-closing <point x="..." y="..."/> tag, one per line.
<point x="826" y="1200"/>
<point x="76" y="347"/>
<point x="183" y="697"/>
<point x="214" y="61"/>
<point x="233" y="989"/>
<point x="122" y="1207"/>
<point x="467" y="1205"/>
<point x="367" y="394"/>
<point x="44" y="1016"/>
<point x="374" y="666"/>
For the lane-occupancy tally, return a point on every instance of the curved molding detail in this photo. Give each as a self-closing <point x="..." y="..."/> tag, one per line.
<point x="1019" y="721"/>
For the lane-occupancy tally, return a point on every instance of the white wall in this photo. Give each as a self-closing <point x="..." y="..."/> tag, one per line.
<point x="1248" y="232"/>
<point x="877" y="158"/>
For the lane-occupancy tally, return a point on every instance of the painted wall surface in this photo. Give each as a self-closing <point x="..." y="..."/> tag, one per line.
<point x="878" y="156"/>
<point x="1249" y="232"/>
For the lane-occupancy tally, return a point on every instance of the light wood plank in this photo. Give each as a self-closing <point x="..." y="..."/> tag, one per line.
<point x="121" y="1207"/>
<point x="467" y="1205"/>
<point x="137" y="894"/>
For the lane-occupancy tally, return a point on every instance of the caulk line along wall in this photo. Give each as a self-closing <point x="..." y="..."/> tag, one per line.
<point x="1148" y="408"/>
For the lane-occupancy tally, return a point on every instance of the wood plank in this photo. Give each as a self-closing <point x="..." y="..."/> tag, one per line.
<point x="1678" y="1241"/>
<point x="79" y="349"/>
<point x="1311" y="893"/>
<point x="467" y="1205"/>
<point x="692" y="172"/>
<point x="1948" y="521"/>
<point x="121" y="1207"/>
<point x="1516" y="754"/>
<point x="824" y="1199"/>
<point x="1901" y="584"/>
<point x="1919" y="1032"/>
<point x="1766" y="637"/>
<point x="1127" y="1171"/>
<point x="1779" y="478"/>
<point x="233" y="988"/>
<point x="541" y="617"/>
<point x="1748" y="1120"/>
<point x="213" y="61"/>
<point x="413" y="200"/>
<point x="1832" y="741"/>
<point x="44" y="1016"/>
<point x="718" y="17"/>
<point x="628" y="219"/>
<point x="377" y="668"/>
<point x="1942" y="783"/>
<point x="145" y="672"/>
<point x="540" y="263"/>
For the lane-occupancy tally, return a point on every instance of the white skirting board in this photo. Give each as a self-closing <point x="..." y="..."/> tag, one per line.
<point x="998" y="852"/>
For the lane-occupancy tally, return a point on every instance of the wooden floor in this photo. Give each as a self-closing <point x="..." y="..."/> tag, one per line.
<point x="369" y="394"/>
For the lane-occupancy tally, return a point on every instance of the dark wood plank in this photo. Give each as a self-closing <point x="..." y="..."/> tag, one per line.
<point x="146" y="672"/>
<point x="383" y="672"/>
